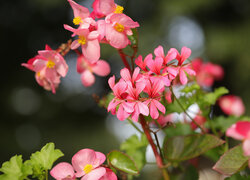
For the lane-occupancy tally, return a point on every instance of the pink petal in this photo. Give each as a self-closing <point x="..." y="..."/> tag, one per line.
<point x="185" y="53"/>
<point x="91" y="50"/>
<point x="101" y="28"/>
<point x="246" y="147"/>
<point x="106" y="6"/>
<point x="159" y="106"/>
<point x="243" y="127"/>
<point x="183" y="77"/>
<point x="110" y="175"/>
<point x="38" y="65"/>
<point x="75" y="44"/>
<point x="125" y="74"/>
<point x="88" y="79"/>
<point x="112" y="105"/>
<point x="153" y="110"/>
<point x="93" y="35"/>
<point x="101" y="68"/>
<point x="171" y="55"/>
<point x="121" y="114"/>
<point x="143" y="109"/>
<point x="81" y="159"/>
<point x="100" y="158"/>
<point x="79" y="11"/>
<point x="233" y="133"/>
<point x="63" y="170"/>
<point x="116" y="39"/>
<point x="128" y="107"/>
<point x="159" y="51"/>
<point x="111" y="81"/>
<point x="124" y="20"/>
<point x="95" y="174"/>
<point x="80" y="64"/>
<point x="135" y="74"/>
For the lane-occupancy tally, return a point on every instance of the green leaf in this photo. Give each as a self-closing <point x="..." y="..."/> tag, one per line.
<point x="178" y="129"/>
<point x="104" y="101"/>
<point x="122" y="162"/>
<point x="238" y="176"/>
<point x="136" y="149"/>
<point x="43" y="160"/>
<point x="15" y="169"/>
<point x="232" y="161"/>
<point x="180" y="148"/>
<point x="191" y="173"/>
<point x="191" y="88"/>
<point x="212" y="97"/>
<point x="133" y="38"/>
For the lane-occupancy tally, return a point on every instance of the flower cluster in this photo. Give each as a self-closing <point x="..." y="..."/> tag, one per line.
<point x="207" y="73"/>
<point x="141" y="92"/>
<point x="92" y="31"/>
<point x="49" y="67"/>
<point x="86" y="164"/>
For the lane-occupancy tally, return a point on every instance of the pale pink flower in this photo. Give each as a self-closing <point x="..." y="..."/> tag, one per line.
<point x="232" y="105"/>
<point x="86" y="163"/>
<point x="119" y="90"/>
<point x="153" y="87"/>
<point x="86" y="69"/>
<point x="110" y="175"/>
<point x="118" y="26"/>
<point x="103" y="8"/>
<point x="49" y="66"/>
<point x="63" y="171"/>
<point x="241" y="131"/>
<point x="171" y="55"/>
<point x="88" y="41"/>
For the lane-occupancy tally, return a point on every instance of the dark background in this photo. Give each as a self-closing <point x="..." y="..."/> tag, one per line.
<point x="218" y="31"/>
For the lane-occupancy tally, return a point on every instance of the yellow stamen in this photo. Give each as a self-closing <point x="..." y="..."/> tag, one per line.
<point x="119" y="27"/>
<point x="88" y="168"/>
<point x="50" y="64"/>
<point x="118" y="9"/>
<point x="82" y="40"/>
<point x="38" y="74"/>
<point x="77" y="20"/>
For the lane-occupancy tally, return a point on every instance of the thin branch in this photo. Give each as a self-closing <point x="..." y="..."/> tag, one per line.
<point x="124" y="60"/>
<point x="133" y="124"/>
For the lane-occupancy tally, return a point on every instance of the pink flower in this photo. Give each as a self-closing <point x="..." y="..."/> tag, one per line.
<point x="119" y="90"/>
<point x="118" y="26"/>
<point x="185" y="53"/>
<point x="156" y="67"/>
<point x="49" y="66"/>
<point x="105" y="7"/>
<point x="88" y="41"/>
<point x="241" y="131"/>
<point x="81" y="15"/>
<point x="86" y="163"/>
<point x="171" y="55"/>
<point x="182" y="73"/>
<point x="232" y="105"/>
<point x="86" y="69"/>
<point x="152" y="89"/>
<point x="63" y="171"/>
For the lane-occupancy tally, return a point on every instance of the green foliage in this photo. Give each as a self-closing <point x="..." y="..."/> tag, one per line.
<point x="104" y="101"/>
<point x="238" y="176"/>
<point x="232" y="161"/>
<point x="136" y="149"/>
<point x="211" y="98"/>
<point x="180" y="148"/>
<point x="122" y="162"/>
<point x="38" y="165"/>
<point x="14" y="169"/>
<point x="191" y="88"/>
<point x="190" y="173"/>
<point x="133" y="38"/>
<point x="178" y="129"/>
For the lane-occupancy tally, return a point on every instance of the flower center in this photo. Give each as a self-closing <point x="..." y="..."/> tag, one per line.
<point x="118" y="9"/>
<point x="77" y="20"/>
<point x="82" y="40"/>
<point x="88" y="168"/>
<point x="50" y="64"/>
<point x="119" y="27"/>
<point x="38" y="74"/>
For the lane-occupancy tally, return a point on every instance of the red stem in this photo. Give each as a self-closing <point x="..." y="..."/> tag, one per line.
<point x="124" y="60"/>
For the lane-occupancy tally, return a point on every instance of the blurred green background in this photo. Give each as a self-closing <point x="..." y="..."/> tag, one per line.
<point x="216" y="30"/>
